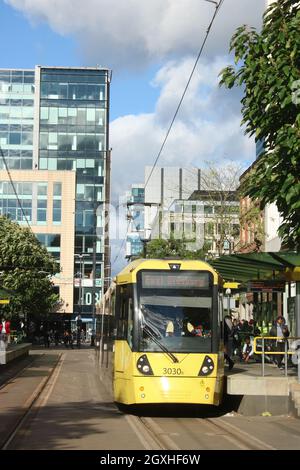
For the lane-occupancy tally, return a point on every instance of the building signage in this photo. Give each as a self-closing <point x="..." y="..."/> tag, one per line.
<point x="87" y="283"/>
<point x="266" y="286"/>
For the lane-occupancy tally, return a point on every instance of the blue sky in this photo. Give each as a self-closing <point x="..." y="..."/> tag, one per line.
<point x="24" y="44"/>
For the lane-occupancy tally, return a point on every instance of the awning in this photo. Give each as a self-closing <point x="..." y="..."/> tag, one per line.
<point x="258" y="266"/>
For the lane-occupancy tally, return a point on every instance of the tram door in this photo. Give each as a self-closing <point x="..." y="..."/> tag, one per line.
<point x="124" y="309"/>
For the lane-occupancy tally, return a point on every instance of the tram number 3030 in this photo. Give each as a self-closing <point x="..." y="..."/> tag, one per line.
<point x="172" y="371"/>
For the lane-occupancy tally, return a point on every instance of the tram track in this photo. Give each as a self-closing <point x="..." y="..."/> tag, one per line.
<point x="153" y="436"/>
<point x="10" y="378"/>
<point x="34" y="402"/>
<point x="243" y="440"/>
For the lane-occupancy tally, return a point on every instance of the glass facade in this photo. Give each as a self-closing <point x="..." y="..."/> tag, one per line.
<point x="136" y="213"/>
<point x="16" y="118"/>
<point x="73" y="136"/>
<point x="9" y="205"/>
<point x="51" y="242"/>
<point x="68" y="132"/>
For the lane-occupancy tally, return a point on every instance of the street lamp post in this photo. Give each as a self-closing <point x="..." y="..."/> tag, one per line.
<point x="228" y="293"/>
<point x="81" y="271"/>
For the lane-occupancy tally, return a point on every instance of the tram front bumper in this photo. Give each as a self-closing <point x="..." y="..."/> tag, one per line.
<point x="194" y="390"/>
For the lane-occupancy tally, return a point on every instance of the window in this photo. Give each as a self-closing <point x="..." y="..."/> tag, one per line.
<point x="41" y="216"/>
<point x="26" y="138"/>
<point x="44" y="114"/>
<point x="65" y="142"/>
<point x="176" y="307"/>
<point x="42" y="189"/>
<point x="42" y="211"/>
<point x="41" y="238"/>
<point x="208" y="209"/>
<point x="53" y="240"/>
<point x="15" y="138"/>
<point x="57" y="211"/>
<point x="56" y="189"/>
<point x="125" y="318"/>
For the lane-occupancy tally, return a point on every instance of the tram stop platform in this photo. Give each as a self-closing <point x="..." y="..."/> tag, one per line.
<point x="13" y="351"/>
<point x="271" y="394"/>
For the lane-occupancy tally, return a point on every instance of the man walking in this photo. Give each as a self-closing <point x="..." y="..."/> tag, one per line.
<point x="280" y="330"/>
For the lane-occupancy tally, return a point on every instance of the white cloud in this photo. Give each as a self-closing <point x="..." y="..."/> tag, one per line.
<point x="207" y="127"/>
<point x="118" y="33"/>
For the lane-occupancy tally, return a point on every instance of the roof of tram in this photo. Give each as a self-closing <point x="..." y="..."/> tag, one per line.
<point x="259" y="266"/>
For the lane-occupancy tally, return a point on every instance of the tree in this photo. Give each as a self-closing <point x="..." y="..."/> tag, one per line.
<point x="159" y="248"/>
<point x="219" y="188"/>
<point x="268" y="66"/>
<point x="25" y="267"/>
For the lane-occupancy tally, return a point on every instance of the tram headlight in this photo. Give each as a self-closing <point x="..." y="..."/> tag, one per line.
<point x="207" y="366"/>
<point x="143" y="365"/>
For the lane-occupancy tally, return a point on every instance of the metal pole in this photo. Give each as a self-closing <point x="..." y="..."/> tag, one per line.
<point x="82" y="280"/>
<point x="297" y="315"/>
<point x="80" y="284"/>
<point x="94" y="290"/>
<point x="102" y="329"/>
<point x="263" y="357"/>
<point x="285" y="357"/>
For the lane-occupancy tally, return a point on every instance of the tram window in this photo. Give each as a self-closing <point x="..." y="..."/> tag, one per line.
<point x="130" y="322"/>
<point x="125" y="314"/>
<point x="180" y="323"/>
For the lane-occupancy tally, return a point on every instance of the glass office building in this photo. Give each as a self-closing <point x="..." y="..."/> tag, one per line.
<point x="17" y="90"/>
<point x="56" y="118"/>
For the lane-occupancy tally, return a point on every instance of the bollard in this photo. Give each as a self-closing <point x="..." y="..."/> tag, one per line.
<point x="285" y="358"/>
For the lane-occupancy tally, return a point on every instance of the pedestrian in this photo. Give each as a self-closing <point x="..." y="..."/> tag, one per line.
<point x="236" y="340"/>
<point x="71" y="340"/>
<point x="228" y="341"/>
<point x="56" y="337"/>
<point x="247" y="349"/>
<point x="46" y="338"/>
<point x="281" y="331"/>
<point x="66" y="338"/>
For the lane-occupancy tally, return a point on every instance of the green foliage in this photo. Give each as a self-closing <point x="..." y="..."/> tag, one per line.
<point x="25" y="265"/>
<point x="268" y="65"/>
<point x="158" y="249"/>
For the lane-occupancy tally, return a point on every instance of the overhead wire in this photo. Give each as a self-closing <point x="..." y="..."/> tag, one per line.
<point x="122" y="245"/>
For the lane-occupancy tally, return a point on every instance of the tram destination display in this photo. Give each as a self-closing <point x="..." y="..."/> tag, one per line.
<point x="175" y="280"/>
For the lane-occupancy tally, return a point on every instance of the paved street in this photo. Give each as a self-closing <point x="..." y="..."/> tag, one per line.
<point x="74" y="411"/>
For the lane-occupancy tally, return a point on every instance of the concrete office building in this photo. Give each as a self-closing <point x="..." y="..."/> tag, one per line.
<point x="54" y="130"/>
<point x="210" y="218"/>
<point x="48" y="200"/>
<point x="164" y="186"/>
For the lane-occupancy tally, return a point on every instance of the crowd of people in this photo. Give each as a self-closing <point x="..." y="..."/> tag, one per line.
<point x="239" y="335"/>
<point x="68" y="337"/>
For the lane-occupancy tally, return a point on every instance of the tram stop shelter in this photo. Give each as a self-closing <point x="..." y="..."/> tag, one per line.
<point x="245" y="267"/>
<point x="245" y="381"/>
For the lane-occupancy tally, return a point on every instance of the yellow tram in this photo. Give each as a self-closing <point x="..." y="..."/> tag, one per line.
<point x="160" y="333"/>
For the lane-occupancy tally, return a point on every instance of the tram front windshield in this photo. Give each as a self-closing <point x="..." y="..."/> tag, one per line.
<point x="175" y="310"/>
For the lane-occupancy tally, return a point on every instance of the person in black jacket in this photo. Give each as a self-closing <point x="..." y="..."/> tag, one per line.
<point x="280" y="330"/>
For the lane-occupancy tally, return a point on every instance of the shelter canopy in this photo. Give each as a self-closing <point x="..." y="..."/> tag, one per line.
<point x="259" y="266"/>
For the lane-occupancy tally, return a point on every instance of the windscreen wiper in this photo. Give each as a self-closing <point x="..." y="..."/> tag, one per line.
<point x="162" y="347"/>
